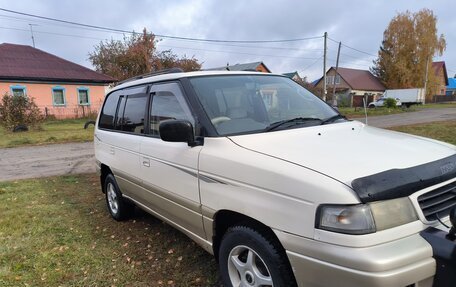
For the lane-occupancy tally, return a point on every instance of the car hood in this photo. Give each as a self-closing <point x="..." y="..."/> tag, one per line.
<point x="348" y="150"/>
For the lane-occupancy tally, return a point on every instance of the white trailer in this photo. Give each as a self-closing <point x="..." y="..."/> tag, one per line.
<point x="407" y="97"/>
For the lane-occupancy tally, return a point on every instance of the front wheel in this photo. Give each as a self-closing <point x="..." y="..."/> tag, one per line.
<point x="248" y="258"/>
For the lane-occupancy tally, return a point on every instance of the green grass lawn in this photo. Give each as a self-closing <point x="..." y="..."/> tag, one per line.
<point x="57" y="232"/>
<point x="437" y="106"/>
<point x="381" y="111"/>
<point x="444" y="131"/>
<point x="359" y="112"/>
<point x="55" y="131"/>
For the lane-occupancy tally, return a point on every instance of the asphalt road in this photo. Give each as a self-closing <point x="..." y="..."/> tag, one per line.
<point x="74" y="158"/>
<point x="421" y="116"/>
<point x="48" y="160"/>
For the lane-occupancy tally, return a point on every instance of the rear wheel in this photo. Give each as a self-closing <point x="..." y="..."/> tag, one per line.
<point x="248" y="258"/>
<point x="119" y="208"/>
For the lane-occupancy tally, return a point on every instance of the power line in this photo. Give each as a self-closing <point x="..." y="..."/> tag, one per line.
<point x="354" y="49"/>
<point x="158" y="35"/>
<point x="166" y="46"/>
<point x="208" y="43"/>
<point x="12" y="18"/>
<point x="307" y="67"/>
<point x="347" y="64"/>
<point x="242" y="53"/>
<point x="51" y="33"/>
<point x="28" y="20"/>
<point x="359" y="50"/>
<point x="266" y="47"/>
<point x="357" y="58"/>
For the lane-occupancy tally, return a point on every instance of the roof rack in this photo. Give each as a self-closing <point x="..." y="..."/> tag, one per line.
<point x="151" y="74"/>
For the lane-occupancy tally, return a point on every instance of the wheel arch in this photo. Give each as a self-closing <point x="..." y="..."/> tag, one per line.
<point x="224" y="219"/>
<point x="105" y="170"/>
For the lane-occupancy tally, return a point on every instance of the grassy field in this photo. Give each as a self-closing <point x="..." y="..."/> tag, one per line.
<point x="444" y="131"/>
<point x="359" y="112"/>
<point x="437" y="106"/>
<point x="381" y="111"/>
<point x="56" y="131"/>
<point x="57" y="232"/>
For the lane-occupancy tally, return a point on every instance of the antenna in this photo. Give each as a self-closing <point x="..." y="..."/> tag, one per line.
<point x="31" y="32"/>
<point x="365" y="107"/>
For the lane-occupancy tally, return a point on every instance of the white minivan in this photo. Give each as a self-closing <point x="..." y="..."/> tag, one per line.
<point x="280" y="187"/>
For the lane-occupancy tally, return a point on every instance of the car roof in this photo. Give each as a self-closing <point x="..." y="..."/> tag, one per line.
<point x="174" y="76"/>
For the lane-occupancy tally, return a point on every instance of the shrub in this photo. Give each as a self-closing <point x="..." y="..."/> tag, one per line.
<point x="390" y="103"/>
<point x="19" y="110"/>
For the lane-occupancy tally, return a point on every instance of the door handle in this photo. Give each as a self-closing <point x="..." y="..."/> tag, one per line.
<point x="146" y="162"/>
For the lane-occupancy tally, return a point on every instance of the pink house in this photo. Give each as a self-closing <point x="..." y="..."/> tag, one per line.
<point x="59" y="87"/>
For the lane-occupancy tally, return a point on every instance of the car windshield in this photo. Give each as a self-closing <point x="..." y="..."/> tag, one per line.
<point x="254" y="103"/>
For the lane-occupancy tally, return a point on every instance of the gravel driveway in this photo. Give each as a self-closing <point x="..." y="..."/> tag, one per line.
<point x="48" y="160"/>
<point x="73" y="158"/>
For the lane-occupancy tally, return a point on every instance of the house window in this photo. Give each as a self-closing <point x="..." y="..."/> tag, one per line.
<point x="18" y="90"/>
<point x="58" y="96"/>
<point x="330" y="80"/>
<point x="83" y="96"/>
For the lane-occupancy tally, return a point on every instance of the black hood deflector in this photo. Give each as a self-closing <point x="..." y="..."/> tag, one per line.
<point x="395" y="183"/>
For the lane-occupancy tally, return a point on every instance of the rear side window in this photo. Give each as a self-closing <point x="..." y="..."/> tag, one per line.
<point x="134" y="114"/>
<point x="108" y="113"/>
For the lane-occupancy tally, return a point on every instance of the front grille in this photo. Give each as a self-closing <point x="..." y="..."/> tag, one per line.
<point x="438" y="203"/>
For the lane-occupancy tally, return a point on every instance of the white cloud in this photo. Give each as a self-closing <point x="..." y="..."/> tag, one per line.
<point x="356" y="23"/>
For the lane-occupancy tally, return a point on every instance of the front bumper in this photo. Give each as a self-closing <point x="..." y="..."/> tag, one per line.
<point x="402" y="262"/>
<point x="444" y="251"/>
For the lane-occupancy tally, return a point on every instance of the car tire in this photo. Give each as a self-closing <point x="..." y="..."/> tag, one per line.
<point x="119" y="208"/>
<point x="249" y="258"/>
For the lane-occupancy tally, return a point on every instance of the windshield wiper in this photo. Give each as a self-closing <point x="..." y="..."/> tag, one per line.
<point x="332" y="119"/>
<point x="299" y="120"/>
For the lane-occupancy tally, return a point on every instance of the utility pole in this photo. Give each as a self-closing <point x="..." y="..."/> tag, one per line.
<point x="335" y="76"/>
<point x="324" y="66"/>
<point x="31" y="31"/>
<point x="426" y="78"/>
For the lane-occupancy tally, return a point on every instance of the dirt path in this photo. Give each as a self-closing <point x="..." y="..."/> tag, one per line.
<point x="48" y="160"/>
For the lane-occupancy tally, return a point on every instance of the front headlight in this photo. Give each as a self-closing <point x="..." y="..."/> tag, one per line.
<point x="365" y="218"/>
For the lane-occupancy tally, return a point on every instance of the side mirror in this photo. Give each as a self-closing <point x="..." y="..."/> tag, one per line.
<point x="177" y="131"/>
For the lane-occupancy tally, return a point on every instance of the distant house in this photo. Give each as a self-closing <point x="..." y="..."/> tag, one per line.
<point x="451" y="88"/>
<point x="352" y="85"/>
<point x="440" y="72"/>
<point x="294" y="76"/>
<point x="255" y="66"/>
<point x="60" y="88"/>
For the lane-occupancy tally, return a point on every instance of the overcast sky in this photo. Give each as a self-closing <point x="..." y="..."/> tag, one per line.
<point x="357" y="23"/>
